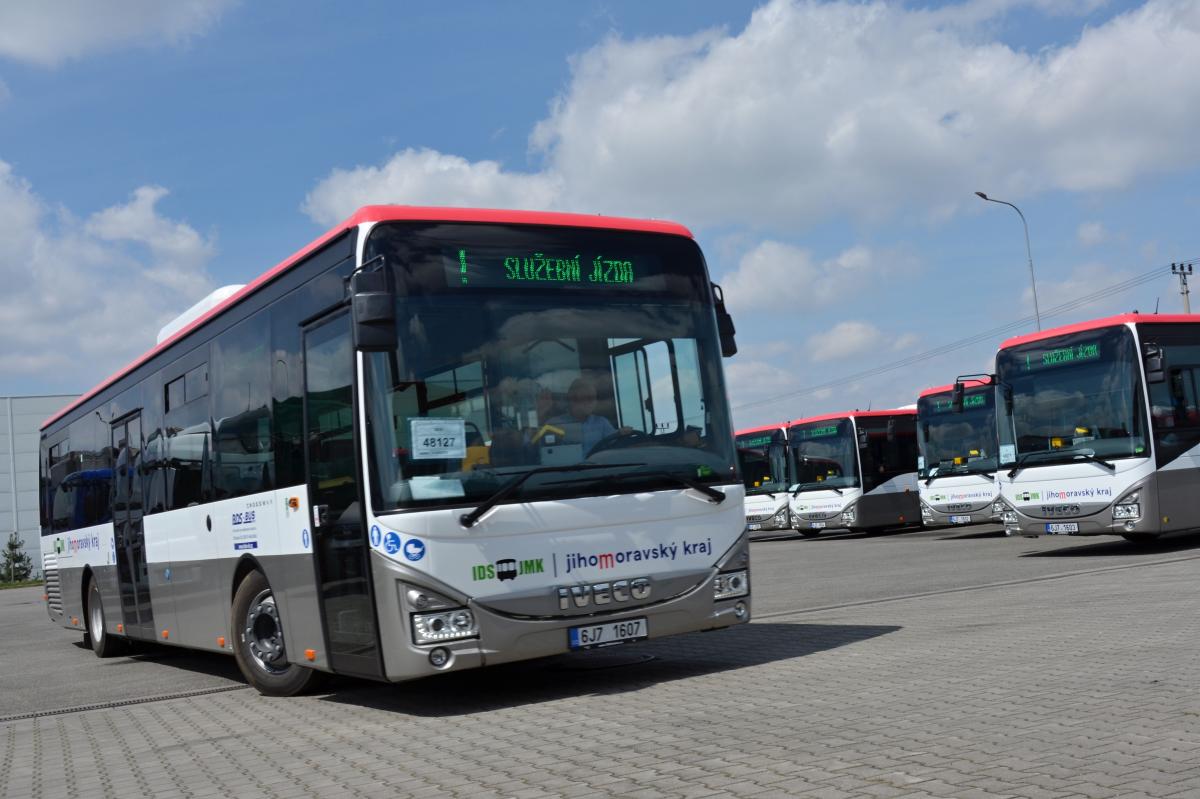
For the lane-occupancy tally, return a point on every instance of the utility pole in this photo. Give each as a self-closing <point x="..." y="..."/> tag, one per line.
<point x="1182" y="271"/>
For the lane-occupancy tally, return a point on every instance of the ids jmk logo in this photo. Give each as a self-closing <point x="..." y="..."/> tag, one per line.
<point x="507" y="569"/>
<point x="1029" y="496"/>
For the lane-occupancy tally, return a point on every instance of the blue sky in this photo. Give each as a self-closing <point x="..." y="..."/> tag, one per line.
<point x="825" y="154"/>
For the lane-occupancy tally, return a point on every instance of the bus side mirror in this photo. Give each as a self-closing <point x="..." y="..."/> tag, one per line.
<point x="956" y="397"/>
<point x="1155" y="363"/>
<point x="725" y="327"/>
<point x="373" y="309"/>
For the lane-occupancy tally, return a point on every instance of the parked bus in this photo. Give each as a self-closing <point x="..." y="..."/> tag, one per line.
<point x="1099" y="427"/>
<point x="854" y="470"/>
<point x="411" y="448"/>
<point x="956" y="434"/>
<point x="766" y="472"/>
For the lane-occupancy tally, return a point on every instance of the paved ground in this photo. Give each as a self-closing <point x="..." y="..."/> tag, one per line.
<point x="922" y="664"/>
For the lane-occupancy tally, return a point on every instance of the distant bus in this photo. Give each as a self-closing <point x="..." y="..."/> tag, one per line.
<point x="1099" y="426"/>
<point x="854" y="470"/>
<point x="957" y="468"/>
<point x="766" y="473"/>
<point x="434" y="439"/>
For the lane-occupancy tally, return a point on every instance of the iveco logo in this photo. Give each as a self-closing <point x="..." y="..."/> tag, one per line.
<point x="956" y="507"/>
<point x="1060" y="510"/>
<point x="581" y="596"/>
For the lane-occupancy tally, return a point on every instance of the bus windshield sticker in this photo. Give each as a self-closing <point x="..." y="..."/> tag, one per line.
<point x="1008" y="453"/>
<point x="432" y="486"/>
<point x="434" y="439"/>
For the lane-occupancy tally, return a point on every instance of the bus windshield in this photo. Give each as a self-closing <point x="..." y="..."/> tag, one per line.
<point x="524" y="349"/>
<point x="763" y="458"/>
<point x="824" y="454"/>
<point x="957" y="443"/>
<point x="1072" y="397"/>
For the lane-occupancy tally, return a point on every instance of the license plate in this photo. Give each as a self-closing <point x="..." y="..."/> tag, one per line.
<point x="960" y="519"/>
<point x="753" y="526"/>
<point x="614" y="632"/>
<point x="816" y="525"/>
<point x="1059" y="528"/>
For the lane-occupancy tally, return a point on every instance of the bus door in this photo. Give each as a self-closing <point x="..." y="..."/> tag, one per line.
<point x="132" y="575"/>
<point x="342" y="562"/>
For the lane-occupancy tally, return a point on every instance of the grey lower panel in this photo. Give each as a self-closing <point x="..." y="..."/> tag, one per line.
<point x="887" y="510"/>
<point x="1095" y="518"/>
<point x="503" y="639"/>
<point x="939" y="518"/>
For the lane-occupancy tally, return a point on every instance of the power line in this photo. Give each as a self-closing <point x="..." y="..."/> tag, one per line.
<point x="994" y="333"/>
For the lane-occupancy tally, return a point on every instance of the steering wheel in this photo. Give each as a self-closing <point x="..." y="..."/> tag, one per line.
<point x="617" y="439"/>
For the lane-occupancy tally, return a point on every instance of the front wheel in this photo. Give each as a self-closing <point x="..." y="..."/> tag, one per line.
<point x="258" y="642"/>
<point x="103" y="644"/>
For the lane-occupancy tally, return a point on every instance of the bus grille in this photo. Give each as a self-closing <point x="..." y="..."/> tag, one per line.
<point x="759" y="517"/>
<point x="53" y="587"/>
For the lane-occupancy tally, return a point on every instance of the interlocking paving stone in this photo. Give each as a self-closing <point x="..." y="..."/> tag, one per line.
<point x="1082" y="686"/>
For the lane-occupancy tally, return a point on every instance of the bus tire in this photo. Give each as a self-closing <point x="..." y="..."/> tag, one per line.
<point x="103" y="644"/>
<point x="258" y="644"/>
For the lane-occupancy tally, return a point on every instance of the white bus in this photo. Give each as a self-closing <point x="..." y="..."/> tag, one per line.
<point x="766" y="471"/>
<point x="1099" y="427"/>
<point x="434" y="439"/>
<point x="854" y="470"/>
<point x="956" y="433"/>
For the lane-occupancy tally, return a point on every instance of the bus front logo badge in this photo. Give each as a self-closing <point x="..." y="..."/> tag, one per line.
<point x="603" y="593"/>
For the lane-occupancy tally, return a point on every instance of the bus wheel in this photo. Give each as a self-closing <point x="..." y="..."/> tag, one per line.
<point x="103" y="644"/>
<point x="258" y="641"/>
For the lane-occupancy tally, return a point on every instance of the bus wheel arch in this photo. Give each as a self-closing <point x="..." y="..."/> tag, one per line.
<point x="259" y="645"/>
<point x="96" y="633"/>
<point x="245" y="565"/>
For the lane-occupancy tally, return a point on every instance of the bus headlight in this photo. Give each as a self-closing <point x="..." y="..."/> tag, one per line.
<point x="926" y="513"/>
<point x="849" y="515"/>
<point x="781" y="519"/>
<point x="729" y="585"/>
<point x="998" y="507"/>
<point x="449" y="625"/>
<point x="1133" y="511"/>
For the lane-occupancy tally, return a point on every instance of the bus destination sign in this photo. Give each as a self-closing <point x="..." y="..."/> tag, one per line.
<point x="758" y="441"/>
<point x="1062" y="356"/>
<point x="819" y="432"/>
<point x="494" y="268"/>
<point x="946" y="404"/>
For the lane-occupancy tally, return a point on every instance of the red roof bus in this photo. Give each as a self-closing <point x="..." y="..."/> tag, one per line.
<point x="1099" y="428"/>
<point x="766" y="473"/>
<point x="855" y="470"/>
<point x="957" y="468"/>
<point x="410" y="448"/>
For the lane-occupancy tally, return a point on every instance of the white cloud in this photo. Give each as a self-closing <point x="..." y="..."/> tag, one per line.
<point x="49" y="33"/>
<point x="817" y="110"/>
<point x="426" y="177"/>
<point x="844" y="339"/>
<point x="778" y="276"/>
<point x="84" y="297"/>
<point x="750" y="382"/>
<point x="1091" y="233"/>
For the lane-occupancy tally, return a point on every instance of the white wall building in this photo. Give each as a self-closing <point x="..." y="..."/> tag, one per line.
<point x="20" y="419"/>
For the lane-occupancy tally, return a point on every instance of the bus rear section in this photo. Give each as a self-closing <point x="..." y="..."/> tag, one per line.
<point x="854" y="470"/>
<point x="438" y="439"/>
<point x="766" y="474"/>
<point x="1099" y="428"/>
<point x="956" y="471"/>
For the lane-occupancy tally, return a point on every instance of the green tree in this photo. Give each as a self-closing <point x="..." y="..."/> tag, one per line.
<point x="16" y="566"/>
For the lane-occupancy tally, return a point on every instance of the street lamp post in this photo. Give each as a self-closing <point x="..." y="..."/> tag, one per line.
<point x="1037" y="315"/>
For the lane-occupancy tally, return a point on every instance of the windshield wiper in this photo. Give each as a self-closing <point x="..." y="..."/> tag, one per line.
<point x="469" y="519"/>
<point x="715" y="495"/>
<point x="818" y="487"/>
<point x="984" y="472"/>
<point x="1090" y="454"/>
<point x="1086" y="454"/>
